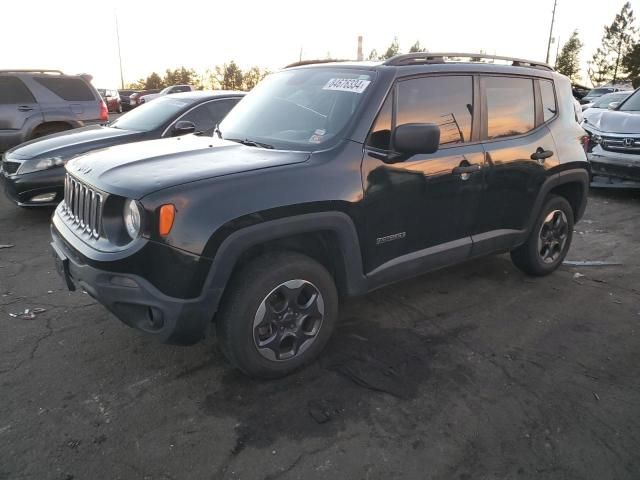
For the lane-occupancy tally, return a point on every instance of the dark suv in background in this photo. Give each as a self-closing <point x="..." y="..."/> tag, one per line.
<point x="35" y="103"/>
<point x="325" y="181"/>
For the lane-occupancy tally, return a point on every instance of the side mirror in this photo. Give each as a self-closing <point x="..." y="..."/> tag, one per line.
<point x="613" y="105"/>
<point x="183" y="127"/>
<point x="413" y="138"/>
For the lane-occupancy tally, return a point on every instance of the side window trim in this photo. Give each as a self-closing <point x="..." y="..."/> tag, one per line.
<point x="193" y="108"/>
<point x="26" y="90"/>
<point x="538" y="82"/>
<point x="485" y="113"/>
<point x="476" y="120"/>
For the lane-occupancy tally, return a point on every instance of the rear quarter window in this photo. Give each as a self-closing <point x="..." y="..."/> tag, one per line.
<point x="549" y="108"/>
<point x="70" y="89"/>
<point x="13" y="91"/>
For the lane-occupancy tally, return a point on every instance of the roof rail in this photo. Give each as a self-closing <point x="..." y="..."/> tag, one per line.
<point x="428" y="58"/>
<point x="30" y="70"/>
<point x="302" y="63"/>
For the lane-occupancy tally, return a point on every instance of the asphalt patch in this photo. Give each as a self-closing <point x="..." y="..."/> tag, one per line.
<point x="362" y="363"/>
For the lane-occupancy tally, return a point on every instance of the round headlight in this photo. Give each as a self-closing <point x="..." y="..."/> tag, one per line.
<point x="132" y="218"/>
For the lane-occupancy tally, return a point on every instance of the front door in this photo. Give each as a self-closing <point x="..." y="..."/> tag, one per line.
<point x="421" y="212"/>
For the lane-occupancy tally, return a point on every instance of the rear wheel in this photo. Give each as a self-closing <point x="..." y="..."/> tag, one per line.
<point x="44" y="130"/>
<point x="277" y="315"/>
<point x="549" y="240"/>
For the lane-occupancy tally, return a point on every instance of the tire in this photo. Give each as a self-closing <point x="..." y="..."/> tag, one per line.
<point x="45" y="130"/>
<point x="267" y="335"/>
<point x="549" y="239"/>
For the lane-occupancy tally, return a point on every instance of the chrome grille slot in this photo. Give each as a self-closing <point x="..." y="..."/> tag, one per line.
<point x="82" y="206"/>
<point x="621" y="144"/>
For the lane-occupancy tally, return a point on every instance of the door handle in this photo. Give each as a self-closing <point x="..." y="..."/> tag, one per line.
<point x="24" y="108"/>
<point x="466" y="169"/>
<point x="541" y="154"/>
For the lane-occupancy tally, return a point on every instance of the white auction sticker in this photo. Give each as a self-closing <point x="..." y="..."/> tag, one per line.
<point x="354" y="85"/>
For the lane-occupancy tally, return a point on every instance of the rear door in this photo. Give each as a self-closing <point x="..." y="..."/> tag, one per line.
<point x="519" y="151"/>
<point x="69" y="95"/>
<point x="18" y="110"/>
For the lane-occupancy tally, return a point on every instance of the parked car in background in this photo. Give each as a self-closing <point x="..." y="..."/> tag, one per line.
<point x="166" y="91"/>
<point x="614" y="142"/>
<point x="125" y="100"/>
<point x="599" y="91"/>
<point x="607" y="99"/>
<point x="33" y="173"/>
<point x="134" y="98"/>
<point x="35" y="103"/>
<point x="112" y="99"/>
<point x="579" y="91"/>
<point x="325" y="181"/>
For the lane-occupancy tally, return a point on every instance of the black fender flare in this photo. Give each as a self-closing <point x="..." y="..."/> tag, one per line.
<point x="576" y="175"/>
<point x="239" y="241"/>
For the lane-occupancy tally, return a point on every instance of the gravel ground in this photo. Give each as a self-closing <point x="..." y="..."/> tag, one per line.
<point x="474" y="372"/>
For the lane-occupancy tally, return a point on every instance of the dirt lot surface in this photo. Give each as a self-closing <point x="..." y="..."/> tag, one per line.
<point x="475" y="372"/>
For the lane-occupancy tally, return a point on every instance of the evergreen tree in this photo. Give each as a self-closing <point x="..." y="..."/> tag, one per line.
<point x="568" y="62"/>
<point x="607" y="62"/>
<point x="416" y="47"/>
<point x="600" y="68"/>
<point x="631" y="61"/>
<point x="393" y="49"/>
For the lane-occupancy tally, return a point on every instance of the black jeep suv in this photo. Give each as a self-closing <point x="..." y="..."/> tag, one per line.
<point x="327" y="180"/>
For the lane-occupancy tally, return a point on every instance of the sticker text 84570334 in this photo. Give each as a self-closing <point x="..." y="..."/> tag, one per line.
<point x="354" y="85"/>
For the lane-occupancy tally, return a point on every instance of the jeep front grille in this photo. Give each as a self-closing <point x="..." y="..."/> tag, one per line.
<point x="82" y="206"/>
<point x="621" y="144"/>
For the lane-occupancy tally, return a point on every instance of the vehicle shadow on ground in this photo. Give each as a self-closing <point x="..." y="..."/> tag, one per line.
<point x="373" y="361"/>
<point x="362" y="358"/>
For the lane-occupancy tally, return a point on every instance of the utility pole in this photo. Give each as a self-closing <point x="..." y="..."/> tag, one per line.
<point x="553" y="17"/>
<point x="119" y="54"/>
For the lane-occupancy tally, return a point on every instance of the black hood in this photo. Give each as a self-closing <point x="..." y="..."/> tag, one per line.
<point x="137" y="169"/>
<point x="74" y="142"/>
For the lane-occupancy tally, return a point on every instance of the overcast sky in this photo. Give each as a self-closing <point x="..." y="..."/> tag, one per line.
<point x="79" y="35"/>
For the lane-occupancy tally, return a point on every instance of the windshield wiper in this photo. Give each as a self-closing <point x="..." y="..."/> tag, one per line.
<point x="251" y="143"/>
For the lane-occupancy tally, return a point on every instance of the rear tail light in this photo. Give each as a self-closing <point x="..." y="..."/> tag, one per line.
<point x="585" y="143"/>
<point x="104" y="112"/>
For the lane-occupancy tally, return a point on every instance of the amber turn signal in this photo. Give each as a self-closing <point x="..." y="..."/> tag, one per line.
<point x="167" y="214"/>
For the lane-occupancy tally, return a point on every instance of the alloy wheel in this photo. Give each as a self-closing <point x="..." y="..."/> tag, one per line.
<point x="553" y="235"/>
<point x="288" y="320"/>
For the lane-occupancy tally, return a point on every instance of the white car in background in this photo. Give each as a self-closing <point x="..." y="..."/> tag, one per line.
<point x="166" y="91"/>
<point x="605" y="100"/>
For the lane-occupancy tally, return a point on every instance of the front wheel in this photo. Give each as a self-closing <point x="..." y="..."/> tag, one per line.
<point x="549" y="239"/>
<point x="277" y="315"/>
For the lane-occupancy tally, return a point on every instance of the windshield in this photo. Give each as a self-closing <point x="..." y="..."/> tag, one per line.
<point x="102" y="91"/>
<point x="303" y="109"/>
<point x="596" y="92"/>
<point x="151" y="115"/>
<point x="631" y="104"/>
<point x="605" y="100"/>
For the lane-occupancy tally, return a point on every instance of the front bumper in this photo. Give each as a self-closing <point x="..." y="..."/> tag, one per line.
<point x="625" y="166"/>
<point x="132" y="298"/>
<point x="21" y="189"/>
